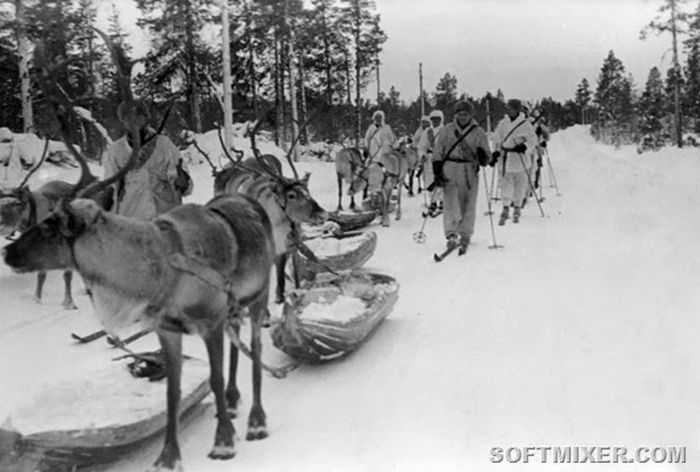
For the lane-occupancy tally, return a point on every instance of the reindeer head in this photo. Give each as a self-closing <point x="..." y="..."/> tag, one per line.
<point x="14" y="209"/>
<point x="298" y="204"/>
<point x="15" y="203"/>
<point x="48" y="245"/>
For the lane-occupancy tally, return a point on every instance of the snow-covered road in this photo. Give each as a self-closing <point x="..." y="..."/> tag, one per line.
<point x="580" y="331"/>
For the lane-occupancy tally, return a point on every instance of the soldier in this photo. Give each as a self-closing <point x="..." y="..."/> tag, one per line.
<point x="514" y="139"/>
<point x="436" y="124"/>
<point x="157" y="185"/>
<point x="460" y="148"/>
<point x="379" y="137"/>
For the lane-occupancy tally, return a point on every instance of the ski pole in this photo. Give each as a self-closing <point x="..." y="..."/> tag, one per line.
<point x="529" y="181"/>
<point x="488" y="200"/>
<point x="551" y="172"/>
<point x="419" y="236"/>
<point x="495" y="245"/>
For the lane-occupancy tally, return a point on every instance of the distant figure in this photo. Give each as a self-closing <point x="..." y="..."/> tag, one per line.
<point x="157" y="185"/>
<point x="460" y="148"/>
<point x="514" y="140"/>
<point x="436" y="124"/>
<point x="379" y="137"/>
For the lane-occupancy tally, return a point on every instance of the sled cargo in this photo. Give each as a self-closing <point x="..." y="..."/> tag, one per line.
<point x="337" y="253"/>
<point x="352" y="220"/>
<point x="77" y="438"/>
<point x="332" y="318"/>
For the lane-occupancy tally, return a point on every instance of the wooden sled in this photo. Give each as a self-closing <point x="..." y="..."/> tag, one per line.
<point x="352" y="220"/>
<point x="315" y="339"/>
<point x="103" y="441"/>
<point x="362" y="247"/>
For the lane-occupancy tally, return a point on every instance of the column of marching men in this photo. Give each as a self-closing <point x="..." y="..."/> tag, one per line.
<point x="451" y="155"/>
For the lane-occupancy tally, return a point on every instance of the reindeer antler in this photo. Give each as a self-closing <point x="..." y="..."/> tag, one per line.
<point x="41" y="161"/>
<point x="295" y="142"/>
<point x="60" y="105"/>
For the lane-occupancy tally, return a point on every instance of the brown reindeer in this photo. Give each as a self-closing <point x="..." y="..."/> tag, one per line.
<point x="287" y="201"/>
<point x="21" y="208"/>
<point x="380" y="177"/>
<point x="348" y="163"/>
<point x="195" y="269"/>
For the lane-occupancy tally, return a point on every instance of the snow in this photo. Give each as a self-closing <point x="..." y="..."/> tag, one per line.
<point x="341" y="309"/>
<point x="326" y="247"/>
<point x="582" y="330"/>
<point x="108" y="396"/>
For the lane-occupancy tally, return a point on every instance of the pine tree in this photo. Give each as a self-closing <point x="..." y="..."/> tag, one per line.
<point x="446" y="92"/>
<point x="583" y="98"/>
<point x="671" y="19"/>
<point x="652" y="105"/>
<point x="178" y="52"/>
<point x="691" y="87"/>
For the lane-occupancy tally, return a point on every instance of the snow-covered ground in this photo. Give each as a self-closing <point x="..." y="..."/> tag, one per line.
<point x="580" y="331"/>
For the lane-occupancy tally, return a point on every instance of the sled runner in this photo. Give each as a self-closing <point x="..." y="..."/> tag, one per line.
<point x="337" y="253"/>
<point x="95" y="421"/>
<point x="351" y="220"/>
<point x="332" y="318"/>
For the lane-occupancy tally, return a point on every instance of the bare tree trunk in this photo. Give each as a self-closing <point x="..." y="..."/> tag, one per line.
<point x="358" y="87"/>
<point x="251" y="59"/>
<point x="379" y="85"/>
<point x="292" y="78"/>
<point x="192" y="92"/>
<point x="226" y="64"/>
<point x="677" y="75"/>
<point x="302" y="89"/>
<point x="348" y="87"/>
<point x="279" y="96"/>
<point x="420" y="86"/>
<point x="25" y="85"/>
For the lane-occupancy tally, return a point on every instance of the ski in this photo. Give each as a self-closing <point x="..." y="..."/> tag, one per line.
<point x="90" y="337"/>
<point x="444" y="254"/>
<point x="114" y="342"/>
<point x="462" y="250"/>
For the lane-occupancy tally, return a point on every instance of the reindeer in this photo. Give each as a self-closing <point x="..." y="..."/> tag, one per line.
<point x="197" y="269"/>
<point x="348" y="162"/>
<point x="21" y="208"/>
<point x="413" y="167"/>
<point x="379" y="178"/>
<point x="287" y="201"/>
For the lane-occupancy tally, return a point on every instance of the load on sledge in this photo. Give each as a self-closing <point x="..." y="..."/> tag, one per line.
<point x="336" y="253"/>
<point x="334" y="316"/>
<point x="95" y="421"/>
<point x="352" y="220"/>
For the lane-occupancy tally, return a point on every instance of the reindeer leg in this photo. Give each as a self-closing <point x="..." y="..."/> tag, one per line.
<point x="169" y="458"/>
<point x="340" y="192"/>
<point x="398" y="204"/>
<point x="352" y="202"/>
<point x="224" y="447"/>
<point x="257" y="427"/>
<point x="68" y="302"/>
<point x="280" y="266"/>
<point x="40" y="280"/>
<point x="233" y="396"/>
<point x="384" y="207"/>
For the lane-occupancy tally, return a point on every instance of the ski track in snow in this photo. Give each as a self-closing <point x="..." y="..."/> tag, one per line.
<point x="580" y="331"/>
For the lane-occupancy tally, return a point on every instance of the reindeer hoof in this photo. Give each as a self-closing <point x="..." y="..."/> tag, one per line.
<point x="222" y="452"/>
<point x="256" y="432"/>
<point x="177" y="467"/>
<point x="69" y="306"/>
<point x="37" y="299"/>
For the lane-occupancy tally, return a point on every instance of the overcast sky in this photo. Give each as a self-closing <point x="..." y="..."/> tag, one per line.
<point x="528" y="48"/>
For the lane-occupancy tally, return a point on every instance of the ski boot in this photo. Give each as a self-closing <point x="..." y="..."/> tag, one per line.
<point x="504" y="217"/>
<point x="463" y="245"/>
<point x="516" y="215"/>
<point x="452" y="241"/>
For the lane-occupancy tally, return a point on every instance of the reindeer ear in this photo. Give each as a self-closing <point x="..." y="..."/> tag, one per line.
<point x="77" y="216"/>
<point x="305" y="180"/>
